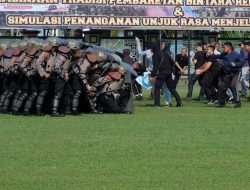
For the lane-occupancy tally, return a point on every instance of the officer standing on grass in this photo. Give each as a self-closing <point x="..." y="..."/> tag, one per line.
<point x="199" y="60"/>
<point x="26" y="71"/>
<point x="230" y="74"/>
<point x="210" y="70"/>
<point x="80" y="81"/>
<point x="181" y="63"/>
<point x="163" y="70"/>
<point x="44" y="65"/>
<point x="11" y="64"/>
<point x="76" y="86"/>
<point x="60" y="72"/>
<point x="4" y="80"/>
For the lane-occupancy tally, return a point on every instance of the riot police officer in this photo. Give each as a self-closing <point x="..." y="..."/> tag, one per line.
<point x="44" y="66"/>
<point x="10" y="67"/>
<point x="60" y="72"/>
<point x="27" y="70"/>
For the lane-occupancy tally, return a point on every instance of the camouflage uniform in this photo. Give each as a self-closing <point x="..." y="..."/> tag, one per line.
<point x="60" y="72"/>
<point x="27" y="71"/>
<point x="8" y="65"/>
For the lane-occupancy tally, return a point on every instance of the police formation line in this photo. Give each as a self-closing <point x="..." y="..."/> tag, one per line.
<point x="60" y="77"/>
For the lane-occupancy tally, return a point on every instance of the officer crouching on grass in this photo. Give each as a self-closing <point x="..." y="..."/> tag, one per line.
<point x="114" y="94"/>
<point x="74" y="87"/>
<point x="80" y="76"/>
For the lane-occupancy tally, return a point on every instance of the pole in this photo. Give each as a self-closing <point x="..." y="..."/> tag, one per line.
<point x="189" y="49"/>
<point x="160" y="35"/>
<point x="176" y="42"/>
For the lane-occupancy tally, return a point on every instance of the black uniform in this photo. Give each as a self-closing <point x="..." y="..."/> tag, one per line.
<point x="200" y="57"/>
<point x="183" y="62"/>
<point x="163" y="69"/>
<point x="210" y="79"/>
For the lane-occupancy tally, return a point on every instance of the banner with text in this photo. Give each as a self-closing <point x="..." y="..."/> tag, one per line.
<point x="126" y="14"/>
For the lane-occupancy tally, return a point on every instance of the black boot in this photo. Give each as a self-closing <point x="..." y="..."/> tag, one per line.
<point x="39" y="103"/>
<point x="68" y="104"/>
<point x="18" y="104"/>
<point x="29" y="104"/>
<point x="55" y="106"/>
<point x="237" y="105"/>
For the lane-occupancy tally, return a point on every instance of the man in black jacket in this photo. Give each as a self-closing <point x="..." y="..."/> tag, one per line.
<point x="163" y="66"/>
<point x="230" y="75"/>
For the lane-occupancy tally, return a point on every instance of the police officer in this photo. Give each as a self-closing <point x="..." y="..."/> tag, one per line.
<point x="44" y="65"/>
<point x="42" y="55"/>
<point x="10" y="67"/>
<point x="3" y="77"/>
<point x="1" y="68"/>
<point x="80" y="81"/>
<point x="110" y="93"/>
<point x="74" y="87"/>
<point x="27" y="71"/>
<point x="60" y="72"/>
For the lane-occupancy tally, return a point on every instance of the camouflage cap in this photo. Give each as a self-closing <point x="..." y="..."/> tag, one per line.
<point x="4" y="45"/>
<point x="91" y="50"/>
<point x="102" y="57"/>
<point x="74" y="44"/>
<point x="122" y="70"/>
<point x="32" y="41"/>
<point x="14" y="44"/>
<point x="23" y="42"/>
<point x="54" y="41"/>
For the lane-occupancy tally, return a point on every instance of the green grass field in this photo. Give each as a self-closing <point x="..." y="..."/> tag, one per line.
<point x="196" y="147"/>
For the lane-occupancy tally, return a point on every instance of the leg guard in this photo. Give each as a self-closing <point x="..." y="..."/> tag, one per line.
<point x="55" y="105"/>
<point x="2" y="98"/>
<point x="40" y="101"/>
<point x="30" y="102"/>
<point x="75" y="102"/>
<point x="17" y="95"/>
<point x="6" y="102"/>
<point x="19" y="103"/>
